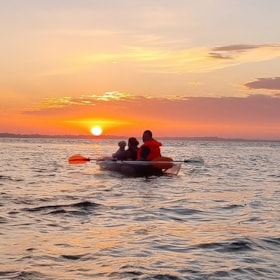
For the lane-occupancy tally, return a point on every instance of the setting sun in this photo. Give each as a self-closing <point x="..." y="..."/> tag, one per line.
<point x="96" y="130"/>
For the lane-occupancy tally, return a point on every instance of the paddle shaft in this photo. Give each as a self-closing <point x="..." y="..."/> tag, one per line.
<point x="77" y="159"/>
<point x="144" y="162"/>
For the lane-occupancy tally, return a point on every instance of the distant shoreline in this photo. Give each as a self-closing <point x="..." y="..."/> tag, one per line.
<point x="18" y="135"/>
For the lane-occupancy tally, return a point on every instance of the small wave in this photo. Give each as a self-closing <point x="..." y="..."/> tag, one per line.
<point x="240" y="273"/>
<point x="135" y="273"/>
<point x="238" y="245"/>
<point x="73" y="257"/>
<point x="3" y="220"/>
<point x="23" y="275"/>
<point x="177" y="213"/>
<point x="3" y="177"/>
<point x="245" y="244"/>
<point x="271" y="243"/>
<point x="126" y="274"/>
<point x="9" y="178"/>
<point x="83" y="207"/>
<point x="166" y="277"/>
<point x="231" y="206"/>
<point x="230" y="246"/>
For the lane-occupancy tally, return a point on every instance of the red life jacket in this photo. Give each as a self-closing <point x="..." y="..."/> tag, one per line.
<point x="154" y="147"/>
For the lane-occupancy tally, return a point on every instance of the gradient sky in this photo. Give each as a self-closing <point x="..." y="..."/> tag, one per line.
<point x="177" y="67"/>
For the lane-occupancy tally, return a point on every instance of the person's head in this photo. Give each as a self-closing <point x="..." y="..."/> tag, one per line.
<point x="147" y="135"/>
<point x="133" y="142"/>
<point x="122" y="144"/>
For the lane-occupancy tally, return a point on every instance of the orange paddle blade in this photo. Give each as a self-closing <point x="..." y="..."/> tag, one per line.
<point x="78" y="159"/>
<point x="162" y="162"/>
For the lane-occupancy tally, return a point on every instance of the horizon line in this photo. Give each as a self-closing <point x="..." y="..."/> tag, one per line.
<point x="92" y="137"/>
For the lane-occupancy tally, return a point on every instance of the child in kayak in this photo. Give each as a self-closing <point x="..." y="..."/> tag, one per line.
<point x="131" y="152"/>
<point x="120" y="151"/>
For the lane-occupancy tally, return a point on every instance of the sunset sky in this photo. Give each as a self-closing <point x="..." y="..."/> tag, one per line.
<point x="177" y="67"/>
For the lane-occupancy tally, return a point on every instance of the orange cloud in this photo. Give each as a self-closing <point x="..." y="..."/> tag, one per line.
<point x="255" y="116"/>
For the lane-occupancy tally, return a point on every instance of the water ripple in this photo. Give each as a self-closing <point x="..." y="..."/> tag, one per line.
<point x="215" y="220"/>
<point x="79" y="208"/>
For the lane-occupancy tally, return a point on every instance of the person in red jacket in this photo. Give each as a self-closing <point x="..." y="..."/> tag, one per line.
<point x="150" y="148"/>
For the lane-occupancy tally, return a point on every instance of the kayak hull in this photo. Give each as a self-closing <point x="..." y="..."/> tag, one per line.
<point x="132" y="169"/>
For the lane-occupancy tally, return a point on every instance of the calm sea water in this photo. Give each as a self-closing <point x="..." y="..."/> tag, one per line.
<point x="216" y="220"/>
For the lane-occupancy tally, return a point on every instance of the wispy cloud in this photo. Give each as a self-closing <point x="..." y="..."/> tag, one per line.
<point x="239" y="48"/>
<point x="83" y="100"/>
<point x="192" y="60"/>
<point x="243" y="53"/>
<point x="265" y="83"/>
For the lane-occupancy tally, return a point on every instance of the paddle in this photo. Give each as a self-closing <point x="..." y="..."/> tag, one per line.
<point x="160" y="162"/>
<point x="78" y="159"/>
